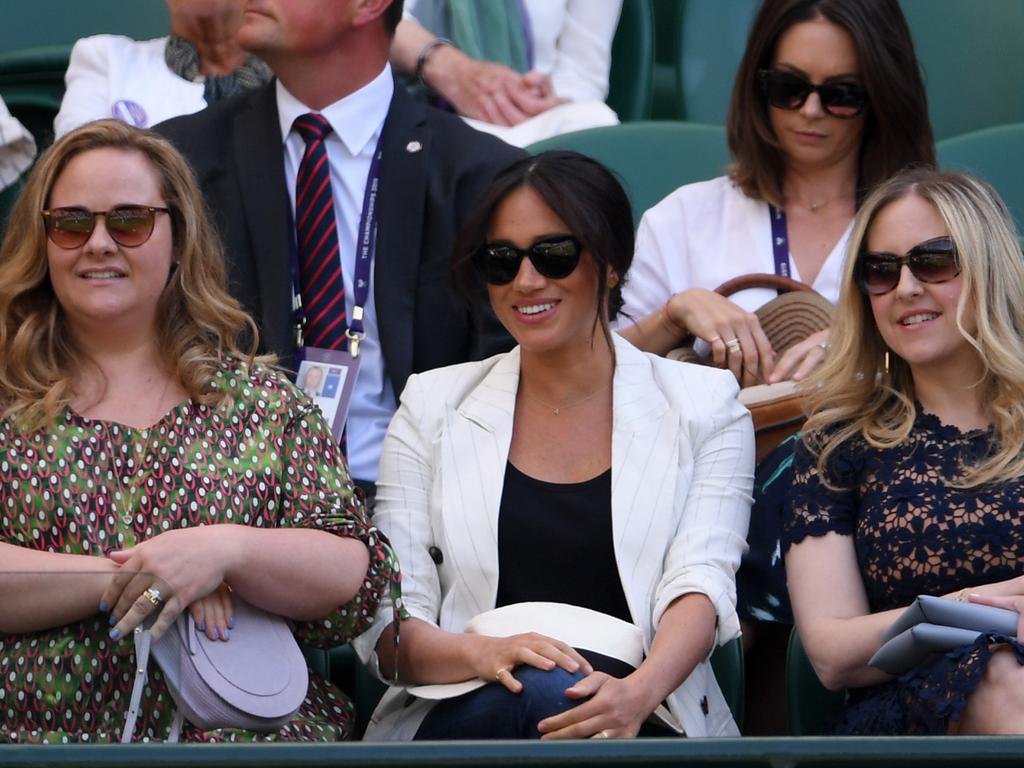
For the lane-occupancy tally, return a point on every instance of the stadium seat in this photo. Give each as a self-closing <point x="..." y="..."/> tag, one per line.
<point x="970" y="55"/>
<point x="629" y="84"/>
<point x="650" y="158"/>
<point x="995" y="154"/>
<point x="809" y="704"/>
<point x="727" y="662"/>
<point x="62" y="22"/>
<point x="668" y="68"/>
<point x="32" y="86"/>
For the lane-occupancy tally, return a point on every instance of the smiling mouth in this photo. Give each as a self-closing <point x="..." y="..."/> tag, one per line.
<point x="102" y="274"/>
<point x="534" y="309"/>
<point x="920" y="317"/>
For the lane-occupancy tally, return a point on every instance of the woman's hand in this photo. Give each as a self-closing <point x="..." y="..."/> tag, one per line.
<point x="494" y="658"/>
<point x="616" y="709"/>
<point x="215" y="613"/>
<point x="719" y="322"/>
<point x="1010" y="602"/>
<point x="184" y="565"/>
<point x="798" y="361"/>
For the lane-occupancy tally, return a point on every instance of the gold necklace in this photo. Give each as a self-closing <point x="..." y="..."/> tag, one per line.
<point x="556" y="410"/>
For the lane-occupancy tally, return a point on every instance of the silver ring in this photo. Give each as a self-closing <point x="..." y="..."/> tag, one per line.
<point x="153" y="595"/>
<point x="824" y="346"/>
<point x="733" y="345"/>
<point x="602" y="735"/>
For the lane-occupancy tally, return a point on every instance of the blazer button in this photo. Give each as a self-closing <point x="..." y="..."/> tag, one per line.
<point x="704" y="705"/>
<point x="436" y="555"/>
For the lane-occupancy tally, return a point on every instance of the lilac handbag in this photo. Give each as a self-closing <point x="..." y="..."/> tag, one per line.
<point x="256" y="681"/>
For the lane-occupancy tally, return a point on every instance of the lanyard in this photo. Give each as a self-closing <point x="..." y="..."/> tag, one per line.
<point x="780" y="240"/>
<point x="366" y="248"/>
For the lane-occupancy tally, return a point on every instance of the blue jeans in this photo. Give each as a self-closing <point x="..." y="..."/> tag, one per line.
<point x="494" y="712"/>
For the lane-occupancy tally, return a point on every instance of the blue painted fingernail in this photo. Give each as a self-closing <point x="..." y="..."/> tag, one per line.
<point x="231" y="622"/>
<point x="104" y="607"/>
<point x="202" y="626"/>
<point x="114" y="634"/>
<point x="113" y="619"/>
<point x="226" y="634"/>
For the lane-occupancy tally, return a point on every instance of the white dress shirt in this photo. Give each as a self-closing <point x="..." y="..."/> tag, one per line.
<point x="357" y="120"/>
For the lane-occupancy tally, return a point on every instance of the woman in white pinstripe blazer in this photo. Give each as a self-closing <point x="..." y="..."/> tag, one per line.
<point x="574" y="469"/>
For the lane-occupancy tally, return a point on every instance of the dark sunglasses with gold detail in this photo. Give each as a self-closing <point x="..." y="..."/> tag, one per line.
<point x="933" y="261"/>
<point x="128" y="225"/>
<point x="555" y="257"/>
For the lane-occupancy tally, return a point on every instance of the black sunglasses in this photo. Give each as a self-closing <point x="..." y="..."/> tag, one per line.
<point x="128" y="225"/>
<point x="554" y="257"/>
<point x="933" y="261"/>
<point x="787" y="90"/>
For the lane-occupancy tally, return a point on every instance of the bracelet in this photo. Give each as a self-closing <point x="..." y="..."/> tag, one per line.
<point x="421" y="59"/>
<point x="666" y="318"/>
<point x="960" y="596"/>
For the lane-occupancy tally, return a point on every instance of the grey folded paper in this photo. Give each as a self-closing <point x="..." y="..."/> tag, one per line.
<point x="933" y="625"/>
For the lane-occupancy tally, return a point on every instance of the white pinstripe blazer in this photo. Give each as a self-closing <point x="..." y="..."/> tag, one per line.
<point x="682" y="473"/>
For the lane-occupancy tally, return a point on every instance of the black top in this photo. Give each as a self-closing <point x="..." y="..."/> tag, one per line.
<point x="555" y="544"/>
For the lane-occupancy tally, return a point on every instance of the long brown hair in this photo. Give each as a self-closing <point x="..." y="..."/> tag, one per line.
<point x="198" y="322"/>
<point x="897" y="132"/>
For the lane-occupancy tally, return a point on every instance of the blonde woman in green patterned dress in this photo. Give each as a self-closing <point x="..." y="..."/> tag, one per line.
<point x="147" y="463"/>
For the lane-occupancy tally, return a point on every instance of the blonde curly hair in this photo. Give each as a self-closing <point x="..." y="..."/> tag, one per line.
<point x="853" y="395"/>
<point x="198" y="322"/>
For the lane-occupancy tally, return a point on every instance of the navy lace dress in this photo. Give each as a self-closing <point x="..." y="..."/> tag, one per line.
<point x="913" y="535"/>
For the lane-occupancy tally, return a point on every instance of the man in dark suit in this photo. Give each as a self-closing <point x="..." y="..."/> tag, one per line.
<point x="330" y="58"/>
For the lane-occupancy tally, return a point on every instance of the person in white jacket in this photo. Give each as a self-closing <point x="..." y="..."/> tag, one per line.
<point x="574" y="469"/>
<point x="17" y="148"/>
<point x="144" y="82"/>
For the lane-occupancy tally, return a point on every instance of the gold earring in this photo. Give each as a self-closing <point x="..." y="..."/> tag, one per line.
<point x="885" y="363"/>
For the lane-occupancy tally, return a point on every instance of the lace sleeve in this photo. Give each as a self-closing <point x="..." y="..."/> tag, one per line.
<point x="814" y="509"/>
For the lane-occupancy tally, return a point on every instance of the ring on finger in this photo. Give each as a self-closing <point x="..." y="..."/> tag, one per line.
<point x="733" y="345"/>
<point x="602" y="735"/>
<point x="153" y="595"/>
<point x="499" y="673"/>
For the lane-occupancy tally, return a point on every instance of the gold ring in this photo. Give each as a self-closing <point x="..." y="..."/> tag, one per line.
<point x="733" y="345"/>
<point x="497" y="675"/>
<point x="153" y="595"/>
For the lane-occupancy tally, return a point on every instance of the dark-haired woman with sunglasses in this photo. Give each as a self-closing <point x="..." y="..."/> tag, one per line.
<point x="910" y="474"/>
<point x="149" y="466"/>
<point x="575" y="470"/>
<point x="828" y="102"/>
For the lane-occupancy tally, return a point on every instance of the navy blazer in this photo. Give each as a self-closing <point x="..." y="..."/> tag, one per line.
<point x="236" y="151"/>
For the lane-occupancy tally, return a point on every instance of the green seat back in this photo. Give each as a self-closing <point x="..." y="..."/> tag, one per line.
<point x="62" y="22"/>
<point x="651" y="158"/>
<point x="629" y="83"/>
<point x="668" y="58"/>
<point x="996" y="155"/>
<point x="714" y="35"/>
<point x="727" y="662"/>
<point x="809" y="704"/>
<point x="32" y="86"/>
<point x="970" y="55"/>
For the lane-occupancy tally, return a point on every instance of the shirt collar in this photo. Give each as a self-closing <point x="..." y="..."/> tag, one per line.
<point x="355" y="119"/>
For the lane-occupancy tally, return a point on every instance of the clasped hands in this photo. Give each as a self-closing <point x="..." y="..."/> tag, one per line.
<point x="613" y="707"/>
<point x="176" y="570"/>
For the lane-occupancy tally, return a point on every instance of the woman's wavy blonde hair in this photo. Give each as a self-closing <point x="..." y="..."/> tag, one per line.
<point x="198" y="322"/>
<point x="852" y="394"/>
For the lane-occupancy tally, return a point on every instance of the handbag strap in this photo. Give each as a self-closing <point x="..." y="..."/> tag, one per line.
<point x="761" y="280"/>
<point x="143" y="643"/>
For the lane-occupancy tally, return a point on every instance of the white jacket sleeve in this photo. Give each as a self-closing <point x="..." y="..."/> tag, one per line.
<point x="402" y="512"/>
<point x="87" y="95"/>
<point x="17" y="148"/>
<point x="583" y="52"/>
<point x="705" y="553"/>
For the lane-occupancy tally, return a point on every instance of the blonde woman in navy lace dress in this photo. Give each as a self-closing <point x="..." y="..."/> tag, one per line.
<point x="910" y="478"/>
<point x="141" y="449"/>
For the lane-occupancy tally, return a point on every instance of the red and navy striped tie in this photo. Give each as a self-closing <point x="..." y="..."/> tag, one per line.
<point x="321" y="286"/>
